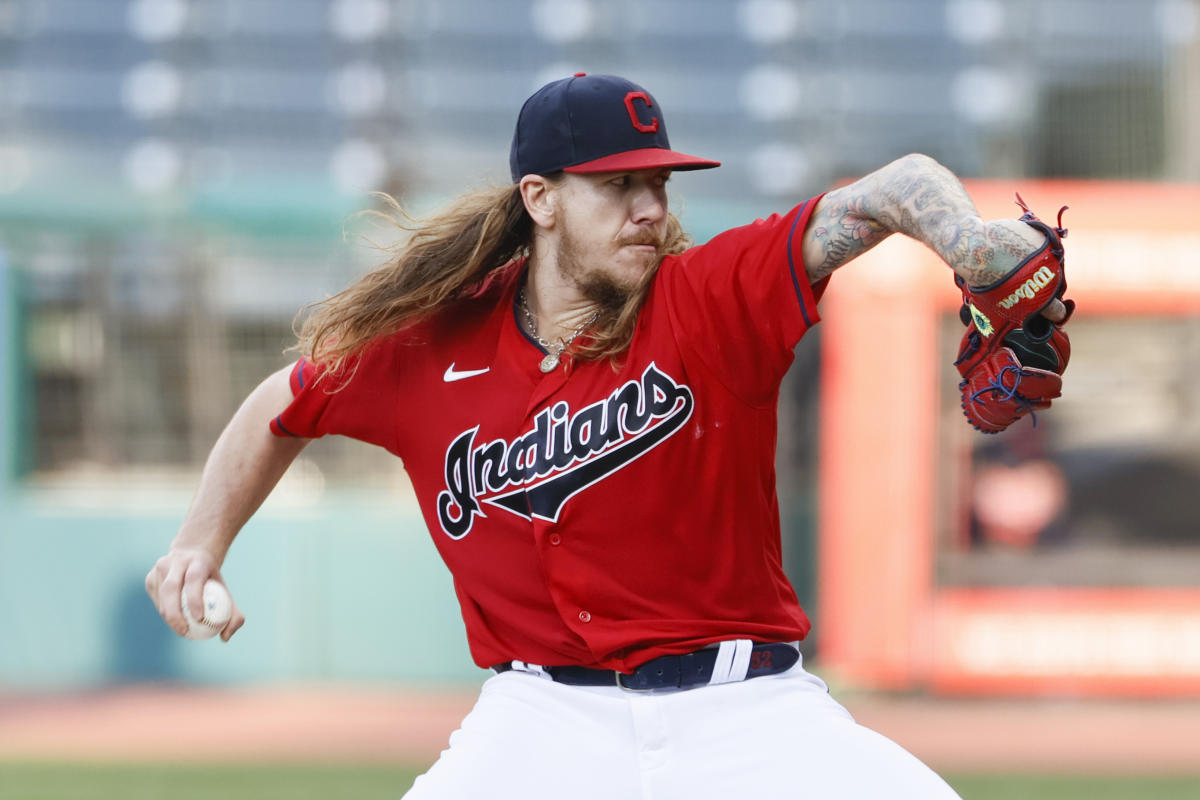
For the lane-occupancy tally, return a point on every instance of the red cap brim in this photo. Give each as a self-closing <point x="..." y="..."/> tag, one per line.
<point x="645" y="158"/>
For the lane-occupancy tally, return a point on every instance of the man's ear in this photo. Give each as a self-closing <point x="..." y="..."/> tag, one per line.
<point x="538" y="195"/>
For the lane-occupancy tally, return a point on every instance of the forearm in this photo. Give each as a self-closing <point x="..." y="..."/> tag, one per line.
<point x="242" y="469"/>
<point x="918" y="197"/>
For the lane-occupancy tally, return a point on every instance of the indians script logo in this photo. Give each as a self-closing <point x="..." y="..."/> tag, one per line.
<point x="535" y="475"/>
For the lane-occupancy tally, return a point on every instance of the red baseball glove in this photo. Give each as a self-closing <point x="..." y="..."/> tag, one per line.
<point x="1011" y="357"/>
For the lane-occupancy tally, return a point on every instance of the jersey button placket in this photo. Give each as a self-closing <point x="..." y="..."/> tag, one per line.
<point x="585" y="616"/>
<point x="555" y="539"/>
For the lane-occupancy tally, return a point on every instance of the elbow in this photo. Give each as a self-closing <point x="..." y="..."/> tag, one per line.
<point x="918" y="162"/>
<point x="902" y="178"/>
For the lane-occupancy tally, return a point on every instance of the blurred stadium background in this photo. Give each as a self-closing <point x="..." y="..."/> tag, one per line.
<point x="179" y="177"/>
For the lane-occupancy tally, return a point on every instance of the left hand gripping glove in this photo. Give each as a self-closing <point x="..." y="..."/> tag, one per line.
<point x="1012" y="358"/>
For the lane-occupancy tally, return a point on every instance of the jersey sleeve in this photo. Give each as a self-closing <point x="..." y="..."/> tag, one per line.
<point x="358" y="401"/>
<point x="741" y="302"/>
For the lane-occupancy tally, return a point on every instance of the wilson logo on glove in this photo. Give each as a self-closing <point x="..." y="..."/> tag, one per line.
<point x="1028" y="290"/>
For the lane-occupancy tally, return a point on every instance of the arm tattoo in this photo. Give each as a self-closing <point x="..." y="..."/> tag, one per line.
<point x="837" y="234"/>
<point x="922" y="199"/>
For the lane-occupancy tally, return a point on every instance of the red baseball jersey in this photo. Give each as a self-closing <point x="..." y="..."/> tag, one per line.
<point x="594" y="516"/>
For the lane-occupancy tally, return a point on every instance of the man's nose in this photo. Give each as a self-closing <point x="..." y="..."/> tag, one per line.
<point x="649" y="206"/>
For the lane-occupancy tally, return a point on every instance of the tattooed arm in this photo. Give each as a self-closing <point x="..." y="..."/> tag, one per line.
<point x="920" y="198"/>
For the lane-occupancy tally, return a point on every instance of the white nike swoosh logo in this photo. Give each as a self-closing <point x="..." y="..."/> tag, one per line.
<point x="457" y="375"/>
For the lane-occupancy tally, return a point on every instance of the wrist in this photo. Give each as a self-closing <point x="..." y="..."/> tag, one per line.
<point x="202" y="543"/>
<point x="1005" y="245"/>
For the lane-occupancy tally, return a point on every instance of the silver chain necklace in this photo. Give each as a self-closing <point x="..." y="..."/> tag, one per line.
<point x="553" y="351"/>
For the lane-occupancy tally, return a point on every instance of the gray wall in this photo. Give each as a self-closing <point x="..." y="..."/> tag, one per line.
<point x="348" y="588"/>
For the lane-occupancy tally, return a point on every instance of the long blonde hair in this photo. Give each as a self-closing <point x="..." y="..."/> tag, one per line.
<point x="445" y="257"/>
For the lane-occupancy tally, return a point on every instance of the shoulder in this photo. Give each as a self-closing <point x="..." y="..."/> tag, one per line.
<point x="475" y="304"/>
<point x="496" y="283"/>
<point x="776" y="236"/>
<point x="780" y="227"/>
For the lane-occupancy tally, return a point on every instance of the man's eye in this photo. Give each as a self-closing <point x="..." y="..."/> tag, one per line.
<point x="621" y="181"/>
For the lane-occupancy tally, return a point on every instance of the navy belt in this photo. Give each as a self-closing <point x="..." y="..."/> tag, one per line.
<point x="677" y="672"/>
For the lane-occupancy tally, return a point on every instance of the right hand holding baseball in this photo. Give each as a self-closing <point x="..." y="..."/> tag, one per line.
<point x="180" y="571"/>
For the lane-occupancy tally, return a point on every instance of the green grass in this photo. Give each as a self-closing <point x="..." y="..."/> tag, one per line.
<point x="309" y="782"/>
<point x="1075" y="787"/>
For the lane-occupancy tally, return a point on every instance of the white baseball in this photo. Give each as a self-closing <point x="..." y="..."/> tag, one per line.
<point x="218" y="608"/>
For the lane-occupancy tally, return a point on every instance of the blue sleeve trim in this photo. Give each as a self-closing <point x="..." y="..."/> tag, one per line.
<point x="299" y="374"/>
<point x="278" y="421"/>
<point x="792" y="263"/>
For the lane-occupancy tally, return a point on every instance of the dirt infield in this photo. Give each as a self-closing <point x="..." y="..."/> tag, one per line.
<point x="364" y="725"/>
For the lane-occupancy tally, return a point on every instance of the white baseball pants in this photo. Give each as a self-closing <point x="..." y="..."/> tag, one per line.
<point x="778" y="737"/>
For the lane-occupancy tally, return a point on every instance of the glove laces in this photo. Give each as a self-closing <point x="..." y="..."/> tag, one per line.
<point x="1002" y="392"/>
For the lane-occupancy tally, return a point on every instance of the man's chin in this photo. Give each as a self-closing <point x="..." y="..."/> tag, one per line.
<point x="634" y="263"/>
<point x="610" y="287"/>
<point x="609" y="294"/>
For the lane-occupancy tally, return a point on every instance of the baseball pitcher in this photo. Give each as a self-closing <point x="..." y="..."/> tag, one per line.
<point x="586" y="405"/>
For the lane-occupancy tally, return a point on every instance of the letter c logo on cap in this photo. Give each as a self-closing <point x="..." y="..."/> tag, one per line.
<point x="633" y="115"/>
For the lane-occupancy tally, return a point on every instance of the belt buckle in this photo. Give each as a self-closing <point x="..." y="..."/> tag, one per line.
<point x="530" y="669"/>
<point x="625" y="688"/>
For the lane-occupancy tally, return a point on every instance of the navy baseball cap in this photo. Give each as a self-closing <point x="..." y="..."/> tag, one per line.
<point x="593" y="123"/>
